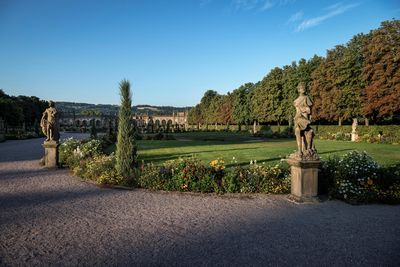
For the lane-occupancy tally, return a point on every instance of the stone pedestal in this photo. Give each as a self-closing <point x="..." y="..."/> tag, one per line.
<point x="50" y="154"/>
<point x="304" y="180"/>
<point x="354" y="136"/>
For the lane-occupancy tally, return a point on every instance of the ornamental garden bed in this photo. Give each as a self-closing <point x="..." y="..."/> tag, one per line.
<point x="234" y="166"/>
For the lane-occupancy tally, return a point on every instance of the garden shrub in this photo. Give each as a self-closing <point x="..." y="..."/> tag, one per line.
<point x="67" y="152"/>
<point x="357" y="178"/>
<point x="231" y="181"/>
<point x="98" y="165"/>
<point x="191" y="175"/>
<point x="86" y="159"/>
<point x="370" y="134"/>
<point x="274" y="179"/>
<point x="154" y="177"/>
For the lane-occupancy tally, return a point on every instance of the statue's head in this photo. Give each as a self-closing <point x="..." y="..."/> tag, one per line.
<point x="51" y="104"/>
<point x="301" y="87"/>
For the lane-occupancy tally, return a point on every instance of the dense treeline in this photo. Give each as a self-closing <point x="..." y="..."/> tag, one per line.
<point x="360" y="79"/>
<point x="21" y="110"/>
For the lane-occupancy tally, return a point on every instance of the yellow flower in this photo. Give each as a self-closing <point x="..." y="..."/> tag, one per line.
<point x="370" y="182"/>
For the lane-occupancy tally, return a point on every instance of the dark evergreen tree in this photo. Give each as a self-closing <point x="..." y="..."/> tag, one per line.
<point x="126" y="146"/>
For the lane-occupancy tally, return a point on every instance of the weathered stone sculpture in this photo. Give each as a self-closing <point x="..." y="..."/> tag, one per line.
<point x="354" y="133"/>
<point x="49" y="124"/>
<point x="304" y="133"/>
<point x="304" y="162"/>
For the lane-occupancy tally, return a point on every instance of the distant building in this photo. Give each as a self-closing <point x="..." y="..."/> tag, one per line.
<point x="145" y="123"/>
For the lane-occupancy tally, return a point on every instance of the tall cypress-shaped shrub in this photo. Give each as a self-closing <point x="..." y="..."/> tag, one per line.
<point x="126" y="146"/>
<point x="93" y="130"/>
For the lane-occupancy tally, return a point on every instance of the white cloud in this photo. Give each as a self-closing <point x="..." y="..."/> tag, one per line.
<point x="245" y="4"/>
<point x="260" y="5"/>
<point x="334" y="6"/>
<point x="336" y="9"/>
<point x="296" y="17"/>
<point x="267" y="5"/>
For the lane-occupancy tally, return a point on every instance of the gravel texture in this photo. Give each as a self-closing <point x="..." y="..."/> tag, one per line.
<point x="50" y="218"/>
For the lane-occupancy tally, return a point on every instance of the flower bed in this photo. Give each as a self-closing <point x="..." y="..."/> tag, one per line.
<point x="354" y="178"/>
<point x="357" y="178"/>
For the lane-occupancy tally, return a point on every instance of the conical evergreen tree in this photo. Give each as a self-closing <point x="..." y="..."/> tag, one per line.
<point x="93" y="130"/>
<point x="126" y="146"/>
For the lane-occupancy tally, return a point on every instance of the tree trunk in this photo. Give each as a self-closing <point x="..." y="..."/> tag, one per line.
<point x="254" y="127"/>
<point x="340" y="121"/>
<point x="227" y="126"/>
<point x="239" y="127"/>
<point x="366" y="122"/>
<point x="216" y="126"/>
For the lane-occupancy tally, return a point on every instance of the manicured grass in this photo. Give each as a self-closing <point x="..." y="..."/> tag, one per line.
<point x="226" y="146"/>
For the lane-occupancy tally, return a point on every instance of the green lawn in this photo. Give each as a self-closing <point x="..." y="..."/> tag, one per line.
<point x="210" y="146"/>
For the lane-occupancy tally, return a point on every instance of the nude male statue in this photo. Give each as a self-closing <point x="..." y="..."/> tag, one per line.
<point x="49" y="123"/>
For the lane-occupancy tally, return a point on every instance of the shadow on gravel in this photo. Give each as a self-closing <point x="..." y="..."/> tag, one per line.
<point x="8" y="175"/>
<point x="312" y="235"/>
<point x="280" y="234"/>
<point x="27" y="199"/>
<point x="35" y="155"/>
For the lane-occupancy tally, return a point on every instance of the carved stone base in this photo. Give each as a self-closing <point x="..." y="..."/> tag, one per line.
<point x="354" y="136"/>
<point x="304" y="180"/>
<point x="50" y="154"/>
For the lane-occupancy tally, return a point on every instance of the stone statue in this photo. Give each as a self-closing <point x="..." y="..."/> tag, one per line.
<point x="304" y="133"/>
<point x="354" y="133"/>
<point x="49" y="123"/>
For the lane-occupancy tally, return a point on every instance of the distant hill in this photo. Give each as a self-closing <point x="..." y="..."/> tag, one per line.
<point x="82" y="108"/>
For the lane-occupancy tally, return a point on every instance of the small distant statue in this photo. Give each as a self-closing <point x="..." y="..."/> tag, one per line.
<point x="354" y="133"/>
<point x="354" y="125"/>
<point x="302" y="121"/>
<point x="49" y="123"/>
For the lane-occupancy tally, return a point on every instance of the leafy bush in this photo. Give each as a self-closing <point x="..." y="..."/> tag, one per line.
<point x="67" y="152"/>
<point x="357" y="178"/>
<point x="86" y="159"/>
<point x="191" y="175"/>
<point x="370" y="134"/>
<point x="154" y="177"/>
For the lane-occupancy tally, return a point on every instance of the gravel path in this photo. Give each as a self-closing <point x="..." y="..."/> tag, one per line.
<point x="50" y="218"/>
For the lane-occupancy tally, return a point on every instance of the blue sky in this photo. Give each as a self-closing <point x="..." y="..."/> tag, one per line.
<point x="171" y="51"/>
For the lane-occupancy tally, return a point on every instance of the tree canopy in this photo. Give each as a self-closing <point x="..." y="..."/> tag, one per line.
<point x="358" y="79"/>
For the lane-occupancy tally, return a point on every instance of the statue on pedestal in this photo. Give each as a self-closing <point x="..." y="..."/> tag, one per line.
<point x="302" y="121"/>
<point x="49" y="125"/>
<point x="304" y="163"/>
<point x="354" y="133"/>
